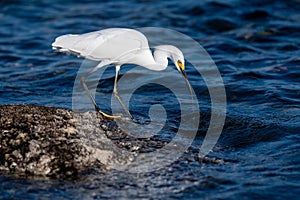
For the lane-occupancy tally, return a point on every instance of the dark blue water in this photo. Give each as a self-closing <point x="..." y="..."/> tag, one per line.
<point x="255" y="45"/>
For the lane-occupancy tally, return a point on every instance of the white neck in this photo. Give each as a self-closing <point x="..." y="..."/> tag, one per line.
<point x="161" y="57"/>
<point x="158" y="61"/>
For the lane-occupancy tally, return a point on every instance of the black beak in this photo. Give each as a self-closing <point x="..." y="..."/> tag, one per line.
<point x="188" y="85"/>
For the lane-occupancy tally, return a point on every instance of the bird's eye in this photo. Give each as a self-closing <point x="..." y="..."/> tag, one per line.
<point x="180" y="64"/>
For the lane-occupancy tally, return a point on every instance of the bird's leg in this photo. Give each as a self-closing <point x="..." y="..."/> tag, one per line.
<point x="115" y="91"/>
<point x="83" y="83"/>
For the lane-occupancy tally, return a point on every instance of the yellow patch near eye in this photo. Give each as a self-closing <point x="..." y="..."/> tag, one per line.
<point x="181" y="65"/>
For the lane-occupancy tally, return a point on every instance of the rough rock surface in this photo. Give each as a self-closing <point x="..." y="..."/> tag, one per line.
<point x="53" y="142"/>
<point x="59" y="143"/>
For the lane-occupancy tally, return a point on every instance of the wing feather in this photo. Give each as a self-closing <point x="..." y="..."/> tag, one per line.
<point x="107" y="44"/>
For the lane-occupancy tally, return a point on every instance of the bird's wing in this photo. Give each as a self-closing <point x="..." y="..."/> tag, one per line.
<point x="106" y="44"/>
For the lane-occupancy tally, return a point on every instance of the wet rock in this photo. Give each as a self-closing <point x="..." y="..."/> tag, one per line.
<point x="52" y="142"/>
<point x="58" y="143"/>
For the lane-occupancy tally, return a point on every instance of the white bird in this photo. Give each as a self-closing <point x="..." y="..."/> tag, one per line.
<point x="118" y="46"/>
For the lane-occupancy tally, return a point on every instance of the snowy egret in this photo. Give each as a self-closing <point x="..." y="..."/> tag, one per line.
<point x="118" y="46"/>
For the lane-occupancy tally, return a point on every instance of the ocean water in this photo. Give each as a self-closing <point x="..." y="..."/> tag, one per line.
<point x="256" y="47"/>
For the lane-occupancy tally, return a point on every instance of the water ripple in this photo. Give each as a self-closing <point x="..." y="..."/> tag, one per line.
<point x="255" y="44"/>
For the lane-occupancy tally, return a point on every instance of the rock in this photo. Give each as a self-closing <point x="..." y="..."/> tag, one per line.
<point x="54" y="142"/>
<point x="58" y="143"/>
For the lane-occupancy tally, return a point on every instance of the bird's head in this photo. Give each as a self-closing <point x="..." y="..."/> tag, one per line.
<point x="178" y="59"/>
<point x="169" y="51"/>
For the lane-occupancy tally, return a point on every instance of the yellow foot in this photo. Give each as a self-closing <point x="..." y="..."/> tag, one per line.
<point x="110" y="116"/>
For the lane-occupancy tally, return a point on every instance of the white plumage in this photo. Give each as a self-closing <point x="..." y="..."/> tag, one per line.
<point x="101" y="45"/>
<point x="119" y="46"/>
